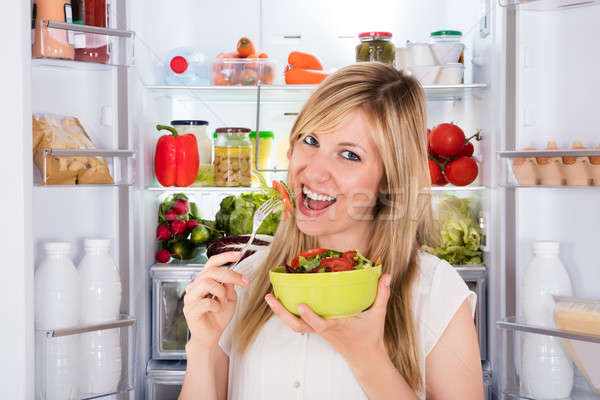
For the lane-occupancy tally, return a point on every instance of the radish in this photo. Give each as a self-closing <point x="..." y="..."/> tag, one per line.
<point x="191" y="224"/>
<point x="178" y="227"/>
<point x="171" y="215"/>
<point x="181" y="207"/>
<point x="163" y="232"/>
<point x="163" y="256"/>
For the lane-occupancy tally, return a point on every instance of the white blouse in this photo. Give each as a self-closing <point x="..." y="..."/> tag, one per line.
<point x="283" y="364"/>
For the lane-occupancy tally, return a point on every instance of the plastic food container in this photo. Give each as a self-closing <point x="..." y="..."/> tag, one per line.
<point x="582" y="316"/>
<point x="447" y="46"/>
<point x="450" y="74"/>
<point x="402" y="58"/>
<point x="233" y="157"/>
<point x="376" y="46"/>
<point x="420" y="54"/>
<point x="245" y="72"/>
<point x="426" y="74"/>
<point x="265" y="139"/>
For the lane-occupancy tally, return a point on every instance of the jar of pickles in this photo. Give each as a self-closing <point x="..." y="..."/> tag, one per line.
<point x="376" y="46"/>
<point x="233" y="157"/>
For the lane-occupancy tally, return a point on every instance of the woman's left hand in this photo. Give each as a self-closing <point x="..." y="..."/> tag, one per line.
<point x="352" y="337"/>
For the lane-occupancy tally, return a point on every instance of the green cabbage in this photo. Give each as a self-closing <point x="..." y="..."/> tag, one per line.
<point x="459" y="233"/>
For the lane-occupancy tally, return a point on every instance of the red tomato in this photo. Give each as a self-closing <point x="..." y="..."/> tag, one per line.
<point x="467" y="150"/>
<point x="447" y="140"/>
<point x="336" y="264"/>
<point x="305" y="254"/>
<point x="434" y="171"/>
<point x="461" y="171"/>
<point x="349" y="255"/>
<point x="442" y="181"/>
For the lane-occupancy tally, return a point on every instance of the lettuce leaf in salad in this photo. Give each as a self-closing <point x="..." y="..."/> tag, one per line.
<point x="459" y="234"/>
<point x="363" y="262"/>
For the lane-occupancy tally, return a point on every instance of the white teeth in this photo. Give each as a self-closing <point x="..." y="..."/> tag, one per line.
<point x="316" y="196"/>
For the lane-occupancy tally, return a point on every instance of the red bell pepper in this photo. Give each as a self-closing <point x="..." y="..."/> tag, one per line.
<point x="176" y="160"/>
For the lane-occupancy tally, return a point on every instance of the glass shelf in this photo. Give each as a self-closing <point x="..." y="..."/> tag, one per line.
<point x="549" y="153"/>
<point x="203" y="189"/>
<point x="74" y="345"/>
<point x="451" y="188"/>
<point x="54" y="162"/>
<point x="516" y="324"/>
<point x="289" y="93"/>
<point x="547" y="5"/>
<point x="578" y="393"/>
<point x="77" y="46"/>
<point x="69" y="65"/>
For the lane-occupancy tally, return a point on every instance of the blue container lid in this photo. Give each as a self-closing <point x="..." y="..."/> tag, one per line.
<point x="189" y="122"/>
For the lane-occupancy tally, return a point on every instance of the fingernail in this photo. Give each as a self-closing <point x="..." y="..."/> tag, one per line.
<point x="245" y="280"/>
<point x="387" y="280"/>
<point x="300" y="308"/>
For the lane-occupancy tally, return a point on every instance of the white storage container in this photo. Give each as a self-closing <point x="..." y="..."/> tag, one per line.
<point x="447" y="46"/>
<point x="56" y="306"/>
<point x="420" y="54"/>
<point x="426" y="74"/>
<point x="100" y="283"/>
<point x="450" y="74"/>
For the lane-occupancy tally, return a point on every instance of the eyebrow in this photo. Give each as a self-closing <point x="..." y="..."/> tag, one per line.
<point x="350" y="144"/>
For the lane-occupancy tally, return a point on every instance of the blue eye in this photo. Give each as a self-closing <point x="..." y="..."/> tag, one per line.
<point x="350" y="155"/>
<point x="310" y="140"/>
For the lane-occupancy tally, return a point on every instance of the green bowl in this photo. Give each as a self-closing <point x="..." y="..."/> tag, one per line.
<point x="329" y="294"/>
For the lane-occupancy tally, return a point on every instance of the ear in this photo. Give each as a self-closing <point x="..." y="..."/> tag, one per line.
<point x="289" y="153"/>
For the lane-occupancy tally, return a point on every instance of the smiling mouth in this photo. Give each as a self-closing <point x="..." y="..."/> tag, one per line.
<point x="316" y="201"/>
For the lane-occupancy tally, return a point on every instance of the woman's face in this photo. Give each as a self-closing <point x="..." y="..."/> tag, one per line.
<point x="337" y="178"/>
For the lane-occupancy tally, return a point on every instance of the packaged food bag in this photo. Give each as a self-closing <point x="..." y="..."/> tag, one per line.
<point x="60" y="132"/>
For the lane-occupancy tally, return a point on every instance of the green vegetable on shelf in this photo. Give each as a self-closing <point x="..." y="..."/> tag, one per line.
<point x="459" y="234"/>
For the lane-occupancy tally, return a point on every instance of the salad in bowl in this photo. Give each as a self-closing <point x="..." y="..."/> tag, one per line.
<point x="333" y="284"/>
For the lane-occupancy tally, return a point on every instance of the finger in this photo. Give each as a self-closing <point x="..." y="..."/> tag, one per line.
<point x="223" y="258"/>
<point x="230" y="292"/>
<point x="313" y="320"/>
<point x="295" y="323"/>
<point x="200" y="307"/>
<point x="222" y="275"/>
<point x="204" y="287"/>
<point x="383" y="293"/>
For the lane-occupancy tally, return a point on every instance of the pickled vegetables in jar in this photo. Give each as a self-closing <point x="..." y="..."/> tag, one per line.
<point x="376" y="46"/>
<point x="233" y="157"/>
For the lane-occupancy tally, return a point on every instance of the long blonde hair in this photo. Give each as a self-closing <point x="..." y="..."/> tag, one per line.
<point x="395" y="106"/>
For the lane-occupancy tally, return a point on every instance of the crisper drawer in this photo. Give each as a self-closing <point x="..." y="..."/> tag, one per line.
<point x="475" y="278"/>
<point x="169" y="329"/>
<point x="164" y="379"/>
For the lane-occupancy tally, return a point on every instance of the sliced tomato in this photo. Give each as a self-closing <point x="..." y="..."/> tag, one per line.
<point x="349" y="255"/>
<point x="306" y="254"/>
<point x="337" y="264"/>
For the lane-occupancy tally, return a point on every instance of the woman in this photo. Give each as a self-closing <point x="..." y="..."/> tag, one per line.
<point x="358" y="167"/>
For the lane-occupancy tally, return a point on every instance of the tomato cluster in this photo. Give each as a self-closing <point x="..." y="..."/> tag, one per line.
<point x="450" y="155"/>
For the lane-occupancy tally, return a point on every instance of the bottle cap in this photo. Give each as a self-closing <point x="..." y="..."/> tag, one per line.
<point x="57" y="247"/>
<point x="546" y="246"/>
<point x="96" y="243"/>
<point x="178" y="64"/>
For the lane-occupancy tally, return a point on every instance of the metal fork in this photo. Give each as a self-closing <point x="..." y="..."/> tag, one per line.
<point x="260" y="215"/>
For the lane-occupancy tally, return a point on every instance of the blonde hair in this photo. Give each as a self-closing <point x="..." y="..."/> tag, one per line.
<point x="395" y="106"/>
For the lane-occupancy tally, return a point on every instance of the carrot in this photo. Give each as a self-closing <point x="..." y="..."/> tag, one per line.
<point x="299" y="76"/>
<point x="245" y="47"/>
<point x="378" y="261"/>
<point x="263" y="55"/>
<point x="220" y="80"/>
<point x="285" y="196"/>
<point x="233" y="54"/>
<point x="298" y="59"/>
<point x="267" y="73"/>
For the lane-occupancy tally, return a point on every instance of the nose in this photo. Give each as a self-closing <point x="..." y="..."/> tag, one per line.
<point x="317" y="169"/>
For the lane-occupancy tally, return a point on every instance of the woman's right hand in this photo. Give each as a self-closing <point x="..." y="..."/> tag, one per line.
<point x="207" y="318"/>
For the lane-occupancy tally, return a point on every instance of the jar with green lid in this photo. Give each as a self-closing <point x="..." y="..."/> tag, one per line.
<point x="265" y="141"/>
<point x="233" y="157"/>
<point x="376" y="46"/>
<point x="447" y="46"/>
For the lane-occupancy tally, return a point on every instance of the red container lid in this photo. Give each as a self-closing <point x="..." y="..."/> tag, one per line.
<point x="368" y="34"/>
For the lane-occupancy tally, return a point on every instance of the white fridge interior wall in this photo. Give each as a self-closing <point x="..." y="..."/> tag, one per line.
<point x="558" y="82"/>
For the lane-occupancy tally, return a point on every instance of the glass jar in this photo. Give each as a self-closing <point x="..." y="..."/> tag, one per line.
<point x="447" y="46"/>
<point x="265" y="139"/>
<point x="376" y="46"/>
<point x="233" y="157"/>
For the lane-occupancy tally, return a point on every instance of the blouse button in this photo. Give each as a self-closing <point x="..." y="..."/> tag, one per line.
<point x="296" y="384"/>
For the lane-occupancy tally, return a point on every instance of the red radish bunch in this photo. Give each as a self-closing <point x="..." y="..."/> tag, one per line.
<point x="450" y="155"/>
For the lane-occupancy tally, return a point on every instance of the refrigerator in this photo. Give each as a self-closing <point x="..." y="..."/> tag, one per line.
<point x="530" y="77"/>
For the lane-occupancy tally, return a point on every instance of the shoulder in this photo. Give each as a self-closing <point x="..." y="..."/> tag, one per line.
<point x="438" y="292"/>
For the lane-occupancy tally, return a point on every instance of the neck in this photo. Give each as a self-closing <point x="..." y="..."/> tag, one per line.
<point x="356" y="238"/>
